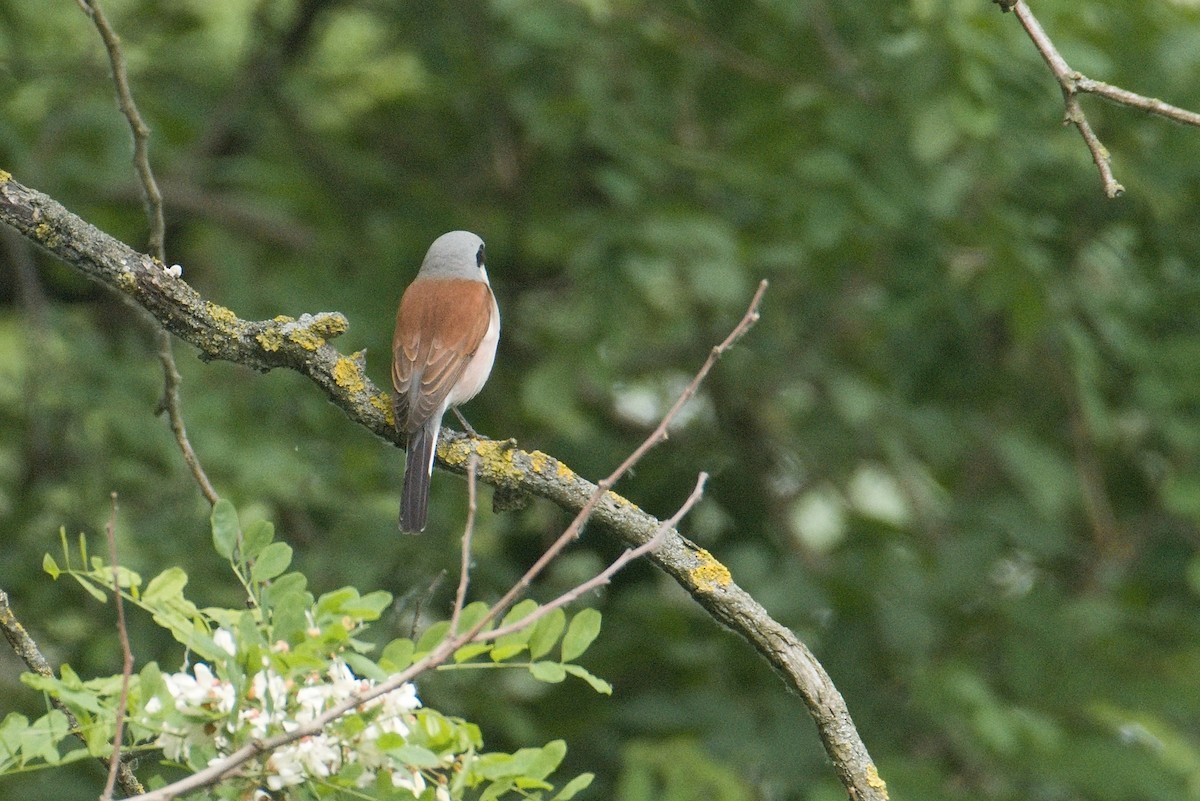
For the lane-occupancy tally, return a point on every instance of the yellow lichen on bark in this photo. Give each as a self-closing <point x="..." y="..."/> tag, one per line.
<point x="496" y="458"/>
<point x="876" y="781"/>
<point x="306" y="338"/>
<point x="271" y="340"/>
<point x="710" y="575"/>
<point x="348" y="375"/>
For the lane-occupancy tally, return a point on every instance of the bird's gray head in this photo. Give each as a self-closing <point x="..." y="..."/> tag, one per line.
<point x="458" y="254"/>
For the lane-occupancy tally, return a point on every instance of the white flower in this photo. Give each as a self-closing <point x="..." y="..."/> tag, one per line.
<point x="412" y="781"/>
<point x="285" y="767"/>
<point x="224" y="640"/>
<point x="274" y="704"/>
<point x="201" y="693"/>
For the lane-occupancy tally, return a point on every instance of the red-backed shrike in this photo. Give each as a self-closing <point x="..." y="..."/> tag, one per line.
<point x="447" y="327"/>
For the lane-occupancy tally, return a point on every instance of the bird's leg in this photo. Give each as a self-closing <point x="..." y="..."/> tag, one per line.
<point x="464" y="422"/>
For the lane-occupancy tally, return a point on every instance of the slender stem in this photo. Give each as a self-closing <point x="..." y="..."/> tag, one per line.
<point x="127" y="654"/>
<point x="464" y="573"/>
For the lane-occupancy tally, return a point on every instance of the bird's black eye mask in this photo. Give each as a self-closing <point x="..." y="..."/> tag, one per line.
<point x="479" y="257"/>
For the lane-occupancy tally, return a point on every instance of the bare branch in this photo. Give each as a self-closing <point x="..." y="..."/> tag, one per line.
<point x="1074" y="83"/>
<point x="172" y="405"/>
<point x="114" y="761"/>
<point x="659" y="434"/>
<point x="605" y="576"/>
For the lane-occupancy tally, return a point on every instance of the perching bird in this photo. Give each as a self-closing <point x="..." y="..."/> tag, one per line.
<point x="447" y="327"/>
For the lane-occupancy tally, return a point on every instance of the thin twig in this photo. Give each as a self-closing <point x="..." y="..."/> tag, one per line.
<point x="171" y="404"/>
<point x="1068" y="81"/>
<point x="1124" y="97"/>
<point x="25" y="648"/>
<point x="1073" y="83"/>
<point x="141" y="131"/>
<point x="152" y="198"/>
<point x="659" y="434"/>
<point x="605" y="576"/>
<point x="464" y="573"/>
<point x="126" y="652"/>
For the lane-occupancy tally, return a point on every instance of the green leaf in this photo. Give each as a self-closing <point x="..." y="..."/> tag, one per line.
<point x="471" y="615"/>
<point x="258" y="535"/>
<point x="415" y="756"/>
<point x="598" y="684"/>
<point x="167" y="586"/>
<point x="573" y="787"/>
<point x="334" y="601"/>
<point x="50" y="566"/>
<point x="496" y="789"/>
<point x="397" y="655"/>
<point x="432" y="636"/>
<point x="470" y="651"/>
<point x="12" y="738"/>
<point x="546" y="633"/>
<point x="364" y="667"/>
<point x="515" y="642"/>
<point x="370" y="606"/>
<point x="538" y="763"/>
<point x="502" y="652"/>
<point x="549" y="672"/>
<point x="518" y="612"/>
<point x="580" y="634"/>
<point x="224" y="527"/>
<point x="273" y="560"/>
<point x="287" y="591"/>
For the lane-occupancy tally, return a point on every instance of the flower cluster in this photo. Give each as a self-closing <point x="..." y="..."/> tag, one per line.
<point x="211" y="715"/>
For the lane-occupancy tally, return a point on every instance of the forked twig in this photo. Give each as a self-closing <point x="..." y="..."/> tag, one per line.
<point x="1074" y="83"/>
<point x="605" y="576"/>
<point x="659" y="434"/>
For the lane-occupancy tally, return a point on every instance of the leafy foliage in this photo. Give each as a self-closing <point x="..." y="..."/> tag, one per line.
<point x="279" y="663"/>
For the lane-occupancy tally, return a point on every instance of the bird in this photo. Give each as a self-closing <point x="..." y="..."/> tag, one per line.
<point x="447" y="327"/>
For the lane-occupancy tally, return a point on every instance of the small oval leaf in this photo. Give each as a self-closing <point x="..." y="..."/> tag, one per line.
<point x="273" y="560"/>
<point x="580" y="634"/>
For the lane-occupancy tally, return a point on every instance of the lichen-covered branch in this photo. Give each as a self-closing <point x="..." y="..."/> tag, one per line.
<point x="303" y="345"/>
<point x="215" y="331"/>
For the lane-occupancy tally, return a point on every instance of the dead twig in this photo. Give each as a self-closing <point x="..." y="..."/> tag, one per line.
<point x="1074" y="83"/>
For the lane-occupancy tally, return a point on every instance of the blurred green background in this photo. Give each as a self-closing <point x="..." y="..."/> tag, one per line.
<point x="958" y="455"/>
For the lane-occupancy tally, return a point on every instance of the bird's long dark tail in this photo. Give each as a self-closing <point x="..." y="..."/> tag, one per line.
<point x="418" y="467"/>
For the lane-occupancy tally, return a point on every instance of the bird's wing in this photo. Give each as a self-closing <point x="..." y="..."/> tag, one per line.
<point x="439" y="326"/>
